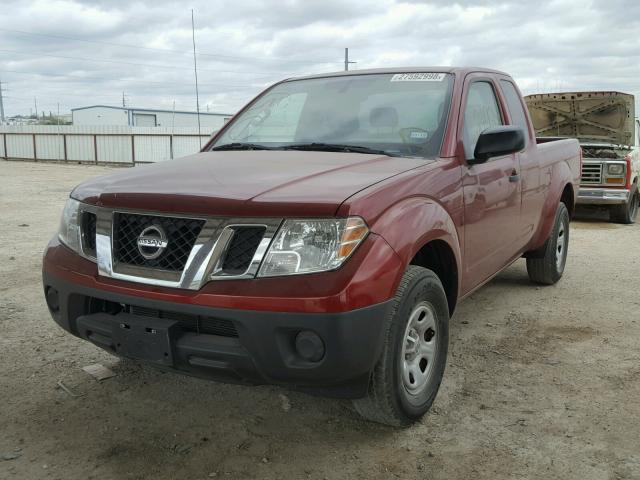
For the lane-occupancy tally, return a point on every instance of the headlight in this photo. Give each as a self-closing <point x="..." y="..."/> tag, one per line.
<point x="307" y="246"/>
<point x="615" y="169"/>
<point x="69" y="233"/>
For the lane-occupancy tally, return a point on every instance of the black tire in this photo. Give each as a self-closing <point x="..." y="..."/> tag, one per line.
<point x="547" y="265"/>
<point x="627" y="212"/>
<point x="388" y="401"/>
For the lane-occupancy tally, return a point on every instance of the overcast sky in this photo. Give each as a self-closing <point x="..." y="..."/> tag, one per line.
<point x="85" y="52"/>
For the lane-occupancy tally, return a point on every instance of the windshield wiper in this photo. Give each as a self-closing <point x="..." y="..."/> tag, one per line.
<point x="242" y="146"/>
<point x="335" y="147"/>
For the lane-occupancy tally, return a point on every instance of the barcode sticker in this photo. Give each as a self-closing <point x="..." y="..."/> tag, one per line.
<point x="418" y="77"/>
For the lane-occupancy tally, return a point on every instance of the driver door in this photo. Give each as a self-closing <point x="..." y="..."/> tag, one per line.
<point x="491" y="189"/>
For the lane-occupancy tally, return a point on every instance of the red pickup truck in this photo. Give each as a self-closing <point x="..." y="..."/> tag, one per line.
<point x="323" y="238"/>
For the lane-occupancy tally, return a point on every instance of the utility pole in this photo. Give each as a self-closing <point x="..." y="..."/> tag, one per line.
<point x="124" y="103"/>
<point x="346" y="60"/>
<point x="35" y="104"/>
<point x="60" y="146"/>
<point x="1" y="106"/>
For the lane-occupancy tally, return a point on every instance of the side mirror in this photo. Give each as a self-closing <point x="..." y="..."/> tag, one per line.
<point x="494" y="142"/>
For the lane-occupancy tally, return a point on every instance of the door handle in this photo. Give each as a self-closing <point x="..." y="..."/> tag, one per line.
<point x="514" y="177"/>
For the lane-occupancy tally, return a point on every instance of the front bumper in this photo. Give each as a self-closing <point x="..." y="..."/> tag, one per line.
<point x="602" y="196"/>
<point x="258" y="349"/>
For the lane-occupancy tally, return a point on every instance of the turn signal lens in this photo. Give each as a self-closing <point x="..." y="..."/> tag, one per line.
<point x="353" y="234"/>
<point x="619" y="181"/>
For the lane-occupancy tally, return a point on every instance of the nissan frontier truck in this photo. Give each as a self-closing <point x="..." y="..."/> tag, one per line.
<point x="323" y="238"/>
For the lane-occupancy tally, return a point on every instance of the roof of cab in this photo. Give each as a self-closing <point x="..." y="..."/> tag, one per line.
<point x="455" y="70"/>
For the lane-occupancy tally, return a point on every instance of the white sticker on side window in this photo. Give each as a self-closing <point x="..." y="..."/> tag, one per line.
<point x="418" y="77"/>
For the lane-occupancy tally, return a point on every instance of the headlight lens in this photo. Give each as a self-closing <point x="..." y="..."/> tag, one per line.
<point x="69" y="232"/>
<point x="615" y="169"/>
<point x="307" y="246"/>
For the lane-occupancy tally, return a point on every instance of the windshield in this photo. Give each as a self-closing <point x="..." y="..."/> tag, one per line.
<point x="396" y="114"/>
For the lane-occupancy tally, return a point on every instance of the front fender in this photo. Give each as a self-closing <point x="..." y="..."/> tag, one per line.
<point x="414" y="222"/>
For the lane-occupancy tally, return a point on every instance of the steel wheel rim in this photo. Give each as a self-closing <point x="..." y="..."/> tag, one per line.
<point x="561" y="246"/>
<point x="419" y="348"/>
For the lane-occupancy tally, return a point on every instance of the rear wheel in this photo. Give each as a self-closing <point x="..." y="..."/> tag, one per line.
<point x="628" y="212"/>
<point x="407" y="377"/>
<point x="547" y="266"/>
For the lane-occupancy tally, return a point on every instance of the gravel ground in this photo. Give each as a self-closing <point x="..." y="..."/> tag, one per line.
<point x="541" y="382"/>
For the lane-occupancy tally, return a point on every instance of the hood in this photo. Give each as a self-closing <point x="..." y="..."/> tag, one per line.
<point x="591" y="117"/>
<point x="245" y="183"/>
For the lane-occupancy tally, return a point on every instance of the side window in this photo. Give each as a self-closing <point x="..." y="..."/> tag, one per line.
<point x="481" y="112"/>
<point x="518" y="117"/>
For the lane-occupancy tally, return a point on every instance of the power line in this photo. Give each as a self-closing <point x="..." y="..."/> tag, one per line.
<point x="167" y="50"/>
<point x="122" y="62"/>
<point x="141" y="80"/>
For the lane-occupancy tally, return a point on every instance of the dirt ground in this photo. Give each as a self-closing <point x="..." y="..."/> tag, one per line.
<point x="541" y="382"/>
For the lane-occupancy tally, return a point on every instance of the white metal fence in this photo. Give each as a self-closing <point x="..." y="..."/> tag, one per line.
<point x="98" y="144"/>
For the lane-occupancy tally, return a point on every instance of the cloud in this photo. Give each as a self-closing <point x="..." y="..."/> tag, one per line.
<point x="76" y="53"/>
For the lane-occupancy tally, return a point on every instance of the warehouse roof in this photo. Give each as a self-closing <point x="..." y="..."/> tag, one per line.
<point x="151" y="110"/>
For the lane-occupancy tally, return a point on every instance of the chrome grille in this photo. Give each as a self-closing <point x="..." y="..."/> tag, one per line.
<point x="196" y="251"/>
<point x="181" y="236"/>
<point x="591" y="173"/>
<point x="242" y="247"/>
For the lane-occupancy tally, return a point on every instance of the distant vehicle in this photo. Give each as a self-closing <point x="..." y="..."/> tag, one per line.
<point x="323" y="237"/>
<point x="609" y="134"/>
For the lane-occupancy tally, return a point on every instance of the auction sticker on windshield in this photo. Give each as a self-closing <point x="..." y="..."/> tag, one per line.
<point x="418" y="77"/>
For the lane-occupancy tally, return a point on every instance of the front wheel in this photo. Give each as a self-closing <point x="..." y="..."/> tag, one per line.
<point x="627" y="212"/>
<point x="547" y="266"/>
<point x="407" y="377"/>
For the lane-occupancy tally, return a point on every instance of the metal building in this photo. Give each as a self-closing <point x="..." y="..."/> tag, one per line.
<point x="146" y="117"/>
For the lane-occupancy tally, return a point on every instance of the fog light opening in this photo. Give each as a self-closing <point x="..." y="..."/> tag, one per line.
<point x="53" y="299"/>
<point x="310" y="346"/>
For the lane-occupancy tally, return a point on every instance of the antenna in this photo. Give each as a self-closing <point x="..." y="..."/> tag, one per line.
<point x="195" y="71"/>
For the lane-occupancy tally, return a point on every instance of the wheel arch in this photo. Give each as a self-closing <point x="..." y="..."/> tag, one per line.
<point x="440" y="258"/>
<point x="568" y="198"/>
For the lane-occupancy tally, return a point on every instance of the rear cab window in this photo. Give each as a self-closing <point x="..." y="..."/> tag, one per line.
<point x="514" y="105"/>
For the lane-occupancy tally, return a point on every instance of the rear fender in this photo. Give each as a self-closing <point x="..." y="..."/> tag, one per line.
<point x="561" y="176"/>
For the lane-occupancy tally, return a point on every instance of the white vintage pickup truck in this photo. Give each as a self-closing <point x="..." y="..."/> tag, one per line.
<point x="609" y="134"/>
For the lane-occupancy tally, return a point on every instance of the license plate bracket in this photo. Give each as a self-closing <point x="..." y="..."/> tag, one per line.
<point x="148" y="339"/>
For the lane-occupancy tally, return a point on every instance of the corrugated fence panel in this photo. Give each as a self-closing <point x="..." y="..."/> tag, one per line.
<point x="114" y="149"/>
<point x="80" y="148"/>
<point x="154" y="148"/>
<point x="112" y="142"/>
<point x="20" y="146"/>
<point x="50" y="147"/>
<point x="183" y="146"/>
